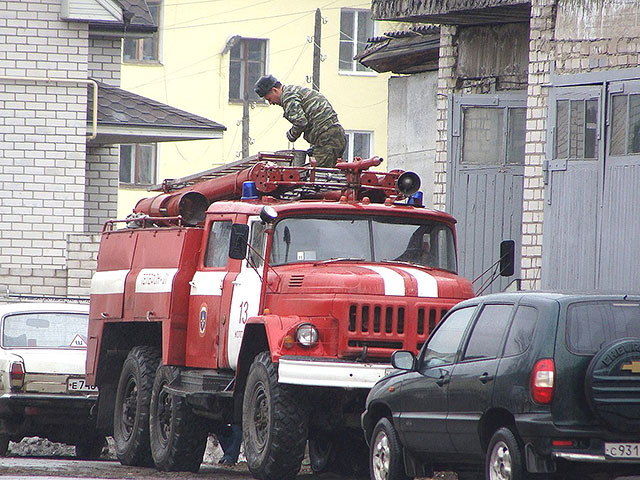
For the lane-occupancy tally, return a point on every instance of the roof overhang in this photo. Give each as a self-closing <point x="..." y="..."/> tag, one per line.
<point x="403" y="55"/>
<point x="125" y="117"/>
<point x="116" y="134"/>
<point x="453" y="12"/>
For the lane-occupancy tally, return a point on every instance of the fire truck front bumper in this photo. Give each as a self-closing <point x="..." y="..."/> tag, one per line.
<point x="325" y="372"/>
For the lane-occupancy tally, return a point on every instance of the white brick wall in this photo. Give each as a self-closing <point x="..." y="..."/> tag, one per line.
<point x="541" y="51"/>
<point x="52" y="186"/>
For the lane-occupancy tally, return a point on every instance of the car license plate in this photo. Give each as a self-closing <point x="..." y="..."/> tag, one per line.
<point x="622" y="450"/>
<point x="79" y="385"/>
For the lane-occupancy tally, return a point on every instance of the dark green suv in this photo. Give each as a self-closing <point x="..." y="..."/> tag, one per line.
<point x="511" y="385"/>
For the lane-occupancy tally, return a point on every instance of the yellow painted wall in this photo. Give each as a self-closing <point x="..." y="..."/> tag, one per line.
<point x="193" y="76"/>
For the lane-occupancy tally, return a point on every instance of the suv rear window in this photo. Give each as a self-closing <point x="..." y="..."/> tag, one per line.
<point x="593" y="324"/>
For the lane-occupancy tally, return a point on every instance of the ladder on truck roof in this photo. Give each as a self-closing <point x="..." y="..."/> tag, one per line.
<point x="171" y="184"/>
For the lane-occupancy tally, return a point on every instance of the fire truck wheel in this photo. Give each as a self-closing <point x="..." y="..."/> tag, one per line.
<point x="131" y="415"/>
<point x="178" y="437"/>
<point x="274" y="423"/>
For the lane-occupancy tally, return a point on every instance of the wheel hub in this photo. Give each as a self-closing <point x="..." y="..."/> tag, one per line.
<point x="381" y="457"/>
<point x="500" y="462"/>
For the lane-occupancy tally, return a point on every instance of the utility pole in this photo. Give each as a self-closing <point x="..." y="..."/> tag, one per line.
<point x="317" y="31"/>
<point x="245" y="120"/>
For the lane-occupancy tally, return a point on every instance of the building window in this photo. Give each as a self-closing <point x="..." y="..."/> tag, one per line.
<point x="248" y="58"/>
<point x="493" y="136"/>
<point x="356" y="26"/>
<point x="144" y="49"/>
<point x="138" y="164"/>
<point x="359" y="144"/>
<point x="576" y="129"/>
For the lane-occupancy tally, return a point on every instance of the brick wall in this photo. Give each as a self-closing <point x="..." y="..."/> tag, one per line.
<point x="52" y="187"/>
<point x="101" y="199"/>
<point x="541" y="53"/>
<point x="446" y="87"/>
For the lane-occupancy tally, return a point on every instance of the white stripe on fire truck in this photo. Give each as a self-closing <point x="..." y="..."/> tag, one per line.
<point x="155" y="280"/>
<point x="110" y="281"/>
<point x="393" y="281"/>
<point x="427" y="284"/>
<point x="207" y="283"/>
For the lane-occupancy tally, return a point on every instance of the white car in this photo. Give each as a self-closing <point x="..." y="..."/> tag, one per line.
<point x="43" y="349"/>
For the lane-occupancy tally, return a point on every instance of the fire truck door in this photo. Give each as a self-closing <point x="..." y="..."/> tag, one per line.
<point x="206" y="319"/>
<point x="246" y="286"/>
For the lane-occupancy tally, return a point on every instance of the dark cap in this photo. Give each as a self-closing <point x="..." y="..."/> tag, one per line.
<point x="264" y="84"/>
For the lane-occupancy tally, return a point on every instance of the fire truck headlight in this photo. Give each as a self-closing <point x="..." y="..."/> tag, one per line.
<point x="307" y="335"/>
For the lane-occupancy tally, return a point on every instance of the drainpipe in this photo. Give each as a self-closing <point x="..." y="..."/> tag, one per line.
<point x="94" y="122"/>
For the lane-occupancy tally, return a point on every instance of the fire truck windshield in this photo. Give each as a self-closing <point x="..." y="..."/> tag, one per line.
<point x="374" y="239"/>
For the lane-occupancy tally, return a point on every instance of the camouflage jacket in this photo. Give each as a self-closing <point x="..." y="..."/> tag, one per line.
<point x="308" y="110"/>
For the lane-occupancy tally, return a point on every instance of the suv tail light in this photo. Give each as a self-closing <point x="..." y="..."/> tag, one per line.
<point x="542" y="381"/>
<point x="16" y="375"/>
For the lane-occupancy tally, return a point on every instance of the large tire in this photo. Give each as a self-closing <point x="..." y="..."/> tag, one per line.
<point x="274" y="423"/>
<point x="504" y="457"/>
<point x="89" y="447"/>
<point x="385" y="453"/>
<point x="344" y="452"/>
<point x="131" y="415"/>
<point x="178" y="437"/>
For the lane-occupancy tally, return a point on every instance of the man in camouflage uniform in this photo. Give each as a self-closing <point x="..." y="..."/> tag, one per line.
<point x="311" y="115"/>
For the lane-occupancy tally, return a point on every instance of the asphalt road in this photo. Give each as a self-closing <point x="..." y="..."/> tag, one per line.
<point x="68" y="468"/>
<point x="18" y="468"/>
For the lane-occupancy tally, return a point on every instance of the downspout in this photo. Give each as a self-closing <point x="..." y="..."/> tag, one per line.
<point x="94" y="122"/>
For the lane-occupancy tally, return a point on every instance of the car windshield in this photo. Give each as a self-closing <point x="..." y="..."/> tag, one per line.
<point x="45" y="330"/>
<point x="374" y="239"/>
<point x="590" y="325"/>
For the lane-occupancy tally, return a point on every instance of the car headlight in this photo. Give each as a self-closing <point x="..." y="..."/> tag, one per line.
<point x="307" y="335"/>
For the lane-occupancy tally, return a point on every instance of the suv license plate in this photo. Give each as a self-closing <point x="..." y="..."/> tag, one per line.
<point x="622" y="450"/>
<point x="79" y="385"/>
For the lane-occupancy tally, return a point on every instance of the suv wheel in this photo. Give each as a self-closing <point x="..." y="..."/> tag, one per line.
<point x="385" y="453"/>
<point x="504" y="457"/>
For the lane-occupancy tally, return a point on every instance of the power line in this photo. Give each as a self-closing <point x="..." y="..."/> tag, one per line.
<point x="242" y="20"/>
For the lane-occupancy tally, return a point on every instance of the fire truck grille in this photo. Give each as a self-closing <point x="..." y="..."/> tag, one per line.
<point x="391" y="326"/>
<point x="296" y="280"/>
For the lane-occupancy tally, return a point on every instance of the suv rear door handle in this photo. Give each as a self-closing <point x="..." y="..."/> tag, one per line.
<point x="443" y="380"/>
<point x="485" y="377"/>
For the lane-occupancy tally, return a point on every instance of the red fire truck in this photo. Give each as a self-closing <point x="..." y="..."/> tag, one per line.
<point x="270" y="297"/>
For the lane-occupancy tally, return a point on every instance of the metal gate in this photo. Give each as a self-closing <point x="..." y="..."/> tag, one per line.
<point x="485" y="184"/>
<point x="592" y="199"/>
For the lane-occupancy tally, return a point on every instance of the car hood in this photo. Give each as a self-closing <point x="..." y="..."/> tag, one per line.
<point x="52" y="360"/>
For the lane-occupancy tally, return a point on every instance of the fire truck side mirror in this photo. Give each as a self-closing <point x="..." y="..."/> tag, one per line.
<point x="239" y="240"/>
<point x="507" y="257"/>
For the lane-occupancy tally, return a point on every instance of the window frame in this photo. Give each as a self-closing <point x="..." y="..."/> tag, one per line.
<point x="139" y="42"/>
<point x="135" y="164"/>
<point x="508" y="319"/>
<point x="354" y="42"/>
<point x="243" y="44"/>
<point x="350" y="134"/>
<point x="462" y="340"/>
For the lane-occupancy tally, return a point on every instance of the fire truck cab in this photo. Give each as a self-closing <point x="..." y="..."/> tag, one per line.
<point x="276" y="309"/>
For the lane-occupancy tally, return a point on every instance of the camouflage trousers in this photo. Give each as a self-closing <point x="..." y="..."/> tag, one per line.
<point x="330" y="146"/>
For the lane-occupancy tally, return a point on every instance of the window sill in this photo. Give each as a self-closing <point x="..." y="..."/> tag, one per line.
<point x="133" y="186"/>
<point x="357" y="74"/>
<point x="148" y="63"/>
<point x="233" y="101"/>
